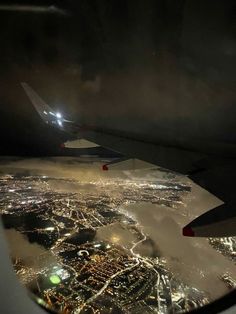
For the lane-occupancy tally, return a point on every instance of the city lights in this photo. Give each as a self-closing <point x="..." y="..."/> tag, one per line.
<point x="95" y="243"/>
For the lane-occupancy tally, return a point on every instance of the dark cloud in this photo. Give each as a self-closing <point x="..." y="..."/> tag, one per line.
<point x="160" y="68"/>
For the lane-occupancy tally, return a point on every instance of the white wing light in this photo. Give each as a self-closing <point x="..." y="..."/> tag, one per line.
<point x="58" y="115"/>
<point x="59" y="122"/>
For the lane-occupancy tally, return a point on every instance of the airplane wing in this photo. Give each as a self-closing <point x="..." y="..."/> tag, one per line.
<point x="200" y="167"/>
<point x="55" y="118"/>
<point x="45" y="112"/>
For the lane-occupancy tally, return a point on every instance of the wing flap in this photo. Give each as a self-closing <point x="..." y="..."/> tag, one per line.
<point x="218" y="222"/>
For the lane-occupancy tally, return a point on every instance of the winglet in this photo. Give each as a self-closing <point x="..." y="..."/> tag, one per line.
<point x="41" y="107"/>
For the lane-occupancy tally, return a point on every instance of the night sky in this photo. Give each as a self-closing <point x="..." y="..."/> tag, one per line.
<point x="159" y="67"/>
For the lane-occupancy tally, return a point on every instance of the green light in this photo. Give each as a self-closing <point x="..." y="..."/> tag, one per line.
<point x="55" y="279"/>
<point x="40" y="301"/>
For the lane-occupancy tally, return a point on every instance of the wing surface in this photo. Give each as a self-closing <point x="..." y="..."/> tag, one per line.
<point x="206" y="170"/>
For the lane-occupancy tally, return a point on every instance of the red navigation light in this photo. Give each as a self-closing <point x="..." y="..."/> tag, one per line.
<point x="188" y="232"/>
<point x="104" y="168"/>
<point x="62" y="145"/>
